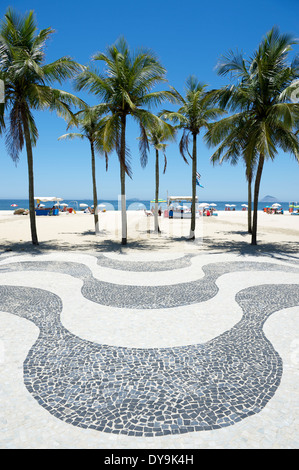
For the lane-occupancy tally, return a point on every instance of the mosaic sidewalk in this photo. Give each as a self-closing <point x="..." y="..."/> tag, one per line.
<point x="174" y="351"/>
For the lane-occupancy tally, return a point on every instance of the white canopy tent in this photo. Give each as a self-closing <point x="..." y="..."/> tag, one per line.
<point x="171" y="199"/>
<point x="48" y="199"/>
<point x="42" y="210"/>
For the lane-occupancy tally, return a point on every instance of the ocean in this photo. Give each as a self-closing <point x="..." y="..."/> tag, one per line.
<point x="132" y="204"/>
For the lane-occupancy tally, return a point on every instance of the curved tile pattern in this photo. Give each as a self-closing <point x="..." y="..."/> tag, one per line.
<point x="152" y="392"/>
<point x="147" y="297"/>
<point x="145" y="266"/>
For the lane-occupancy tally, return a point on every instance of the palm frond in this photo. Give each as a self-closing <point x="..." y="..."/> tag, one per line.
<point x="143" y="145"/>
<point x="61" y="69"/>
<point x="71" y="136"/>
<point x="184" y="146"/>
<point x="14" y="140"/>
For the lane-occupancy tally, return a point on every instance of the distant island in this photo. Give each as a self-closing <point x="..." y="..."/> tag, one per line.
<point x="270" y="199"/>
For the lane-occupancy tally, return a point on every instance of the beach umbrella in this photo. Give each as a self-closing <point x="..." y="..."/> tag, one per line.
<point x="276" y="205"/>
<point x="227" y="205"/>
<point x="102" y="205"/>
<point x="63" y="204"/>
<point x="213" y="204"/>
<point x="83" y="205"/>
<point x="244" y="205"/>
<point x="203" y="204"/>
<point x="233" y="205"/>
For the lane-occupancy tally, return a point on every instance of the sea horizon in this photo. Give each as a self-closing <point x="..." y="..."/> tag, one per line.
<point x="132" y="204"/>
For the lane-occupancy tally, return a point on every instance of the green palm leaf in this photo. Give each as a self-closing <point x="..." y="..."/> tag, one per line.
<point x="197" y="110"/>
<point x="27" y="79"/>
<point x="263" y="119"/>
<point x="125" y="88"/>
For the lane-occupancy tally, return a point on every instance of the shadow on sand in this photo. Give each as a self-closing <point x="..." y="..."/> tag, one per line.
<point x="217" y="245"/>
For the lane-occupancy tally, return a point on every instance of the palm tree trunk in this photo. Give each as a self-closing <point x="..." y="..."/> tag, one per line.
<point x="157" y="229"/>
<point x="123" y="180"/>
<point x="94" y="187"/>
<point x="249" y="180"/>
<point x="30" y="179"/>
<point x="193" y="207"/>
<point x="256" y="197"/>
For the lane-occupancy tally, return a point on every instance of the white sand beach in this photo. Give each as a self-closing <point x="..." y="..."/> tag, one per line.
<point x="227" y="231"/>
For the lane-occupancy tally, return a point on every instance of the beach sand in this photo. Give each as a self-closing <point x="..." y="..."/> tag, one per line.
<point x="222" y="233"/>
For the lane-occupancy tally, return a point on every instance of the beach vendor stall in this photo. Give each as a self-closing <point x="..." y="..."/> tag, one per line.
<point x="52" y="209"/>
<point x="177" y="209"/>
<point x="294" y="208"/>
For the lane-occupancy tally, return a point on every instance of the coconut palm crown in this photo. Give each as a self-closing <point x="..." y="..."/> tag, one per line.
<point x="28" y="87"/>
<point x="125" y="88"/>
<point x="90" y="123"/>
<point x="232" y="134"/>
<point x="196" y="112"/>
<point x="261" y="96"/>
<point x="159" y="135"/>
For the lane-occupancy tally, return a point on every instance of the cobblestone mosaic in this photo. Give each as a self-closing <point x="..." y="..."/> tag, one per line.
<point x="158" y="391"/>
<point x="146" y="297"/>
<point x="145" y="266"/>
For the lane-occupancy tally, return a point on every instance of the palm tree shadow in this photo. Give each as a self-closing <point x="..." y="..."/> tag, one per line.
<point x="275" y="250"/>
<point x="98" y="245"/>
<point x="101" y="243"/>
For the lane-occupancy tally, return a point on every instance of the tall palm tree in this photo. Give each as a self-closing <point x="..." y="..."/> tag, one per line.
<point x="232" y="133"/>
<point x="27" y="81"/>
<point x="125" y="89"/>
<point x="197" y="110"/>
<point x="158" y="135"/>
<point x="91" y="125"/>
<point x="262" y="94"/>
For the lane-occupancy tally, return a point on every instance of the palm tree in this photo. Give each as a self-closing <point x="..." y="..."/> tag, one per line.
<point x="232" y="133"/>
<point x="125" y="89"/>
<point x="196" y="111"/>
<point x="91" y="125"/>
<point x="157" y="137"/>
<point x="27" y="81"/>
<point x="262" y="95"/>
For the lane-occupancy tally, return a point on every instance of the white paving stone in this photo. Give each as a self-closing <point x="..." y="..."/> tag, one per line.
<point x="25" y="424"/>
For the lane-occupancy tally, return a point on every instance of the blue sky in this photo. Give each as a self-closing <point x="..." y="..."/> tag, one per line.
<point x="188" y="37"/>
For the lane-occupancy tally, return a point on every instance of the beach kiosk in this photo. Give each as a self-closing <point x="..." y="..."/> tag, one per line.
<point x="294" y="208"/>
<point x="40" y="209"/>
<point x="176" y="208"/>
